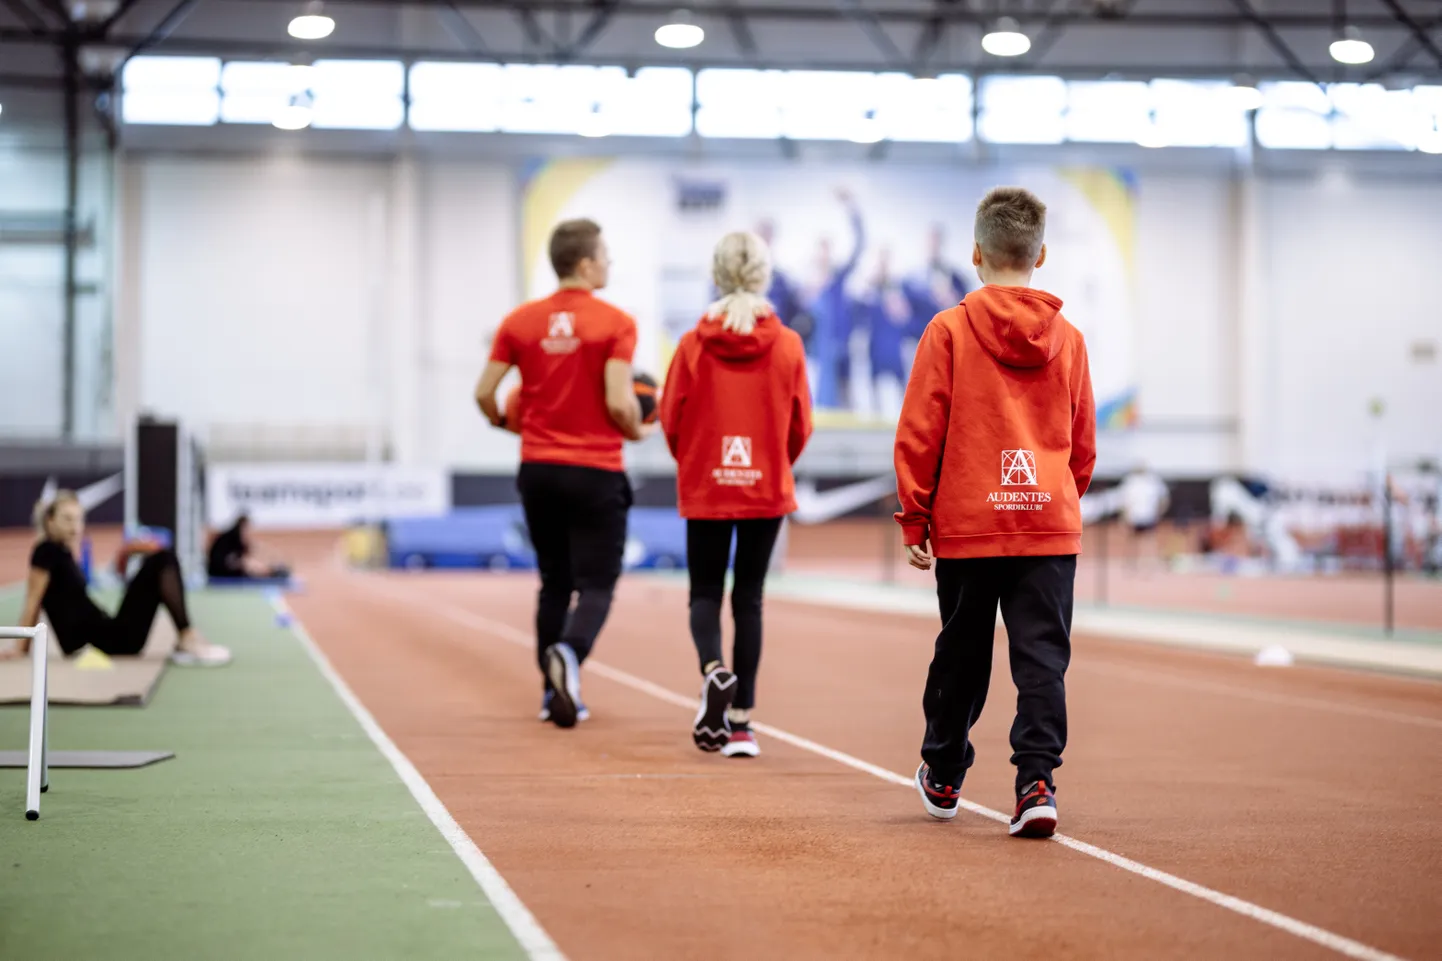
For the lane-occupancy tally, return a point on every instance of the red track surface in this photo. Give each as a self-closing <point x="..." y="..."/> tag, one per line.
<point x="1310" y="792"/>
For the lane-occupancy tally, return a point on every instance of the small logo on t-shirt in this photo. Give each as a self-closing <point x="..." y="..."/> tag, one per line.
<point x="736" y="469"/>
<point x="1018" y="468"/>
<point x="561" y="334"/>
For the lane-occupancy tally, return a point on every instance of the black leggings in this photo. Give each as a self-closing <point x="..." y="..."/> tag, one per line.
<point x="156" y="584"/>
<point x="708" y="550"/>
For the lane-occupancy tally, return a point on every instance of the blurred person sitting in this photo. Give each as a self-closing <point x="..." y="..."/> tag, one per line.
<point x="56" y="586"/>
<point x="232" y="557"/>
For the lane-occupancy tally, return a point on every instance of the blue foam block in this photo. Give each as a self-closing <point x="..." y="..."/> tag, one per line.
<point x="468" y="537"/>
<point x="253" y="583"/>
<point x="495" y="537"/>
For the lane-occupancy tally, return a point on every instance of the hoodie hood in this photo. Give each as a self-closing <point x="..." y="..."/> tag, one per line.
<point x="732" y="346"/>
<point x="1018" y="326"/>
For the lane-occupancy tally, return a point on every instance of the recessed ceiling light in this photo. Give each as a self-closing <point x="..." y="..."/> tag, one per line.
<point x="313" y="24"/>
<point x="1005" y="39"/>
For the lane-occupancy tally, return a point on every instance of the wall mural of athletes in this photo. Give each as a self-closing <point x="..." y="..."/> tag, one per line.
<point x="865" y="257"/>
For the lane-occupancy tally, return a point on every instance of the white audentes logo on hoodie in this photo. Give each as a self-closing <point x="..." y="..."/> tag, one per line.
<point x="1018" y="469"/>
<point x="736" y="469"/>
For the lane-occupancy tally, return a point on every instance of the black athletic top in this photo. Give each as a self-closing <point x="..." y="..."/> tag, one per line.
<point x="75" y="617"/>
<point x="227" y="554"/>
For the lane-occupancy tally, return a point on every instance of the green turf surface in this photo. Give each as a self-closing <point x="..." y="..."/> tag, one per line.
<point x="278" y="831"/>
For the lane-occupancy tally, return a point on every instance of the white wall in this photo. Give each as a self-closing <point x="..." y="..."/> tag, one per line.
<point x="1353" y="278"/>
<point x="309" y="293"/>
<point x="1187" y="391"/>
<point x="470" y="278"/>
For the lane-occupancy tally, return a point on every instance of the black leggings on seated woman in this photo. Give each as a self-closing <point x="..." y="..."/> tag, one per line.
<point x="708" y="553"/>
<point x="157" y="584"/>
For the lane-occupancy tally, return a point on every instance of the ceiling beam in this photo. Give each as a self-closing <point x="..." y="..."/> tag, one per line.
<point x="740" y="29"/>
<point x="600" y="19"/>
<point x="229" y="47"/>
<point x="31" y="20"/>
<point x="893" y="13"/>
<point x="1418" y="34"/>
<point x="866" y="19"/>
<point x="162" y="30"/>
<point x="462" y="31"/>
<point x="1268" y="28"/>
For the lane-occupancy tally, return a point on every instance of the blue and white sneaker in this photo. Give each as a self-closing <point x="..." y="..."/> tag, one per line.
<point x="1035" y="812"/>
<point x="583" y="713"/>
<point x="563" y="670"/>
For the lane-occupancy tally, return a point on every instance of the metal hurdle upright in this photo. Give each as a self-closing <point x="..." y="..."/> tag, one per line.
<point x="37" y="769"/>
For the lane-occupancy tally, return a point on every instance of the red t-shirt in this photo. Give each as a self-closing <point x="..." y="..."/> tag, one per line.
<point x="736" y="411"/>
<point x="561" y="344"/>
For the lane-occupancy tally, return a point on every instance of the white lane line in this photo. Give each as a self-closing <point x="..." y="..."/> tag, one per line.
<point x="1301" y="929"/>
<point x="527" y="931"/>
<point x="1265" y="697"/>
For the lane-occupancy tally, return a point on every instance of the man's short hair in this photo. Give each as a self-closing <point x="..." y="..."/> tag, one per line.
<point x="1010" y="227"/>
<point x="572" y="242"/>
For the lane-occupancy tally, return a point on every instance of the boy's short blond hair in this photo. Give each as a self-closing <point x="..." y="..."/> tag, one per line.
<point x="1010" y="227"/>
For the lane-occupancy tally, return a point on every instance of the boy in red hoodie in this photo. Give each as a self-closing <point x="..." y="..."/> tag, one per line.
<point x="996" y="445"/>
<point x="736" y="412"/>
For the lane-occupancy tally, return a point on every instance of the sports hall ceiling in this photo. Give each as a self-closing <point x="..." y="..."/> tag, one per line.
<point x="1277" y="39"/>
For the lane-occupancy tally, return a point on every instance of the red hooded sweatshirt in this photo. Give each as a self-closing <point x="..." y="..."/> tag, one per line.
<point x="736" y="411"/>
<point x="997" y="438"/>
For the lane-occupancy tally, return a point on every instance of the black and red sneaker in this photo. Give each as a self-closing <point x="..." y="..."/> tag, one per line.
<point x="940" y="799"/>
<point x="1035" y="812"/>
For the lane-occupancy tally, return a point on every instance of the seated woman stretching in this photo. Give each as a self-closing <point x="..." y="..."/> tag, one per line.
<point x="231" y="557"/>
<point x="57" y="587"/>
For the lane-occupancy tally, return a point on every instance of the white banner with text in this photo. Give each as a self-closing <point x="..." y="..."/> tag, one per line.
<point x="323" y="495"/>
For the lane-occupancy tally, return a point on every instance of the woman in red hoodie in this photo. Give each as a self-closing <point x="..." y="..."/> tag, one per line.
<point x="736" y="412"/>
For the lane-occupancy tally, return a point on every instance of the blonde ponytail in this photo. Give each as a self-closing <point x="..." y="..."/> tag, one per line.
<point x="741" y="268"/>
<point x="45" y="509"/>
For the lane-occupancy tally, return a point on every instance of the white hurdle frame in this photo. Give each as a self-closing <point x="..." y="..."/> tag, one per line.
<point x="37" y="770"/>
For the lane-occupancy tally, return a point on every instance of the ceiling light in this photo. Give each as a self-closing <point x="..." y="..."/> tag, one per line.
<point x="681" y="33"/>
<point x="296" y="114"/>
<point x="312" y="24"/>
<point x="1005" y="39"/>
<point x="1351" y="48"/>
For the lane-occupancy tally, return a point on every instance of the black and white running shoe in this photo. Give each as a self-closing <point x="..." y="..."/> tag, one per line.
<point x="582" y="713"/>
<point x="939" y="798"/>
<point x="711" y="730"/>
<point x="564" y="672"/>
<point x="1035" y="812"/>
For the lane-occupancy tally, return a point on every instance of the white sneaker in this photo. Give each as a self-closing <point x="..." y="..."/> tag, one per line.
<point x="208" y="655"/>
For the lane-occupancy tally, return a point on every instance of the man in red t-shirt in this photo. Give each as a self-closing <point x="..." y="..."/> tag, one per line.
<point x="577" y="406"/>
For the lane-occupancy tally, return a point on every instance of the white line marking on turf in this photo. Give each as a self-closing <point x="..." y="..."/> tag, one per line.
<point x="527" y="930"/>
<point x="1301" y="929"/>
